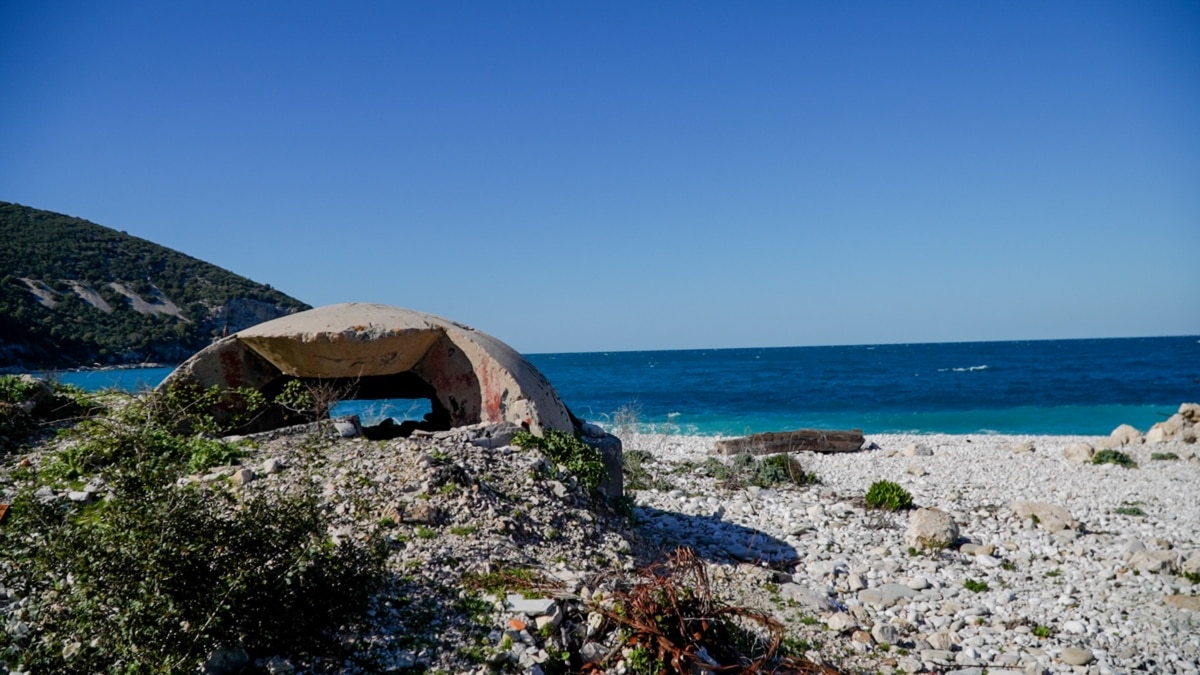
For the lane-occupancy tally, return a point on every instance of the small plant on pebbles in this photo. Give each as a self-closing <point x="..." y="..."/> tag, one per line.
<point x="745" y="470"/>
<point x="581" y="459"/>
<point x="637" y="475"/>
<point x="1114" y="457"/>
<point x="1164" y="456"/>
<point x="975" y="586"/>
<point x="888" y="496"/>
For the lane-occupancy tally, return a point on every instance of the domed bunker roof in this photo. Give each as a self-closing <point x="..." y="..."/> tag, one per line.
<point x="370" y="351"/>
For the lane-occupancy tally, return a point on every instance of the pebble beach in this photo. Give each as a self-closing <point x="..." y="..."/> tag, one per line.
<point x="1106" y="590"/>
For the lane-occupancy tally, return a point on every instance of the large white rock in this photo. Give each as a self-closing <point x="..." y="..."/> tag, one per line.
<point x="1174" y="428"/>
<point x="930" y="528"/>
<point x="1190" y="412"/>
<point x="1050" y="517"/>
<point x="1155" y="561"/>
<point x="916" y="450"/>
<point x="1126" y="435"/>
<point x="1080" y="453"/>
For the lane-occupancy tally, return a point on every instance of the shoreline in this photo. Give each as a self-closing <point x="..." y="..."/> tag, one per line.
<point x="19" y="370"/>
<point x="1105" y="591"/>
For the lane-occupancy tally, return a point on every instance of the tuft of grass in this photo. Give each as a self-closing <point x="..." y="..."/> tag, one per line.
<point x="1042" y="631"/>
<point x="888" y="496"/>
<point x="1129" y="511"/>
<point x="1161" y="456"/>
<point x="1114" y="457"/>
<point x="975" y="586"/>
<point x="523" y="580"/>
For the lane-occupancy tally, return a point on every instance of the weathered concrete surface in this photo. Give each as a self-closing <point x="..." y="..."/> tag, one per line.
<point x="474" y="377"/>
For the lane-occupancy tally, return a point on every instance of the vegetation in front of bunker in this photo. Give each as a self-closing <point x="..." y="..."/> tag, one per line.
<point x="581" y="459"/>
<point x="157" y="575"/>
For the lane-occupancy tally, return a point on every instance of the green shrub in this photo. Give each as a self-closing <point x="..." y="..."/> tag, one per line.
<point x="745" y="469"/>
<point x="581" y="459"/>
<point x="1042" y="631"/>
<point x="1114" y="457"/>
<point x="1129" y="511"/>
<point x="889" y="496"/>
<point x="1164" y="456"/>
<point x="157" y="577"/>
<point x="975" y="586"/>
<point x="782" y="469"/>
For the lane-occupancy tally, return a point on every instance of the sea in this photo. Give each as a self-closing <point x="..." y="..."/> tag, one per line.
<point x="1039" y="387"/>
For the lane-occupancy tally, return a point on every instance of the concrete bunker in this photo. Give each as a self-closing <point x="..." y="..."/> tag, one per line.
<point x="369" y="351"/>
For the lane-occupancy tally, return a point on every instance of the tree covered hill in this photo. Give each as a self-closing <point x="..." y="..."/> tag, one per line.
<point x="74" y="293"/>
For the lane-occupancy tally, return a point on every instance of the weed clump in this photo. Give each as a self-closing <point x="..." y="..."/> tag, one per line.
<point x="1164" y="456"/>
<point x="27" y="403"/>
<point x="1114" y="457"/>
<point x="581" y="459"/>
<point x="975" y="586"/>
<point x="637" y="476"/>
<point x="746" y="469"/>
<point x="673" y="622"/>
<point x="889" y="496"/>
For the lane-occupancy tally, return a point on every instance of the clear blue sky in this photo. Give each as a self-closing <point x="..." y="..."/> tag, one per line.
<point x="581" y="176"/>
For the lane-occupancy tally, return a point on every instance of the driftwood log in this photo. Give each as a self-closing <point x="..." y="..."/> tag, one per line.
<point x="809" y="440"/>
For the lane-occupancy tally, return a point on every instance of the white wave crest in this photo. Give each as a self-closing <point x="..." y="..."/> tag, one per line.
<point x="963" y="370"/>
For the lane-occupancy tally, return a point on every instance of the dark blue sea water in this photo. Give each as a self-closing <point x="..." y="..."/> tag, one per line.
<point x="1031" y="387"/>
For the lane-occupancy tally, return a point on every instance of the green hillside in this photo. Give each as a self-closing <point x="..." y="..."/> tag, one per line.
<point x="74" y="293"/>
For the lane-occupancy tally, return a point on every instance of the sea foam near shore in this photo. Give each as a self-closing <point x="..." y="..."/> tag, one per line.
<point x="1099" y="595"/>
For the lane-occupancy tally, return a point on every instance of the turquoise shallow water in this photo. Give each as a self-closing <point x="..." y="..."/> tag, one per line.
<point x="1030" y="387"/>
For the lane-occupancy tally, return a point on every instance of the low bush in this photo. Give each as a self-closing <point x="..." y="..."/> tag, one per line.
<point x="581" y="459"/>
<point x="1161" y="456"/>
<point x="1114" y="457"/>
<point x="745" y="469"/>
<point x="157" y="575"/>
<point x="889" y="496"/>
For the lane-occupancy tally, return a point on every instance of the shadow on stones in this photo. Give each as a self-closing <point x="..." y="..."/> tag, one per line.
<point x="712" y="538"/>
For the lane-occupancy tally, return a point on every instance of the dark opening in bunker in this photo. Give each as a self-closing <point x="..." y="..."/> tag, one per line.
<point x="388" y="406"/>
